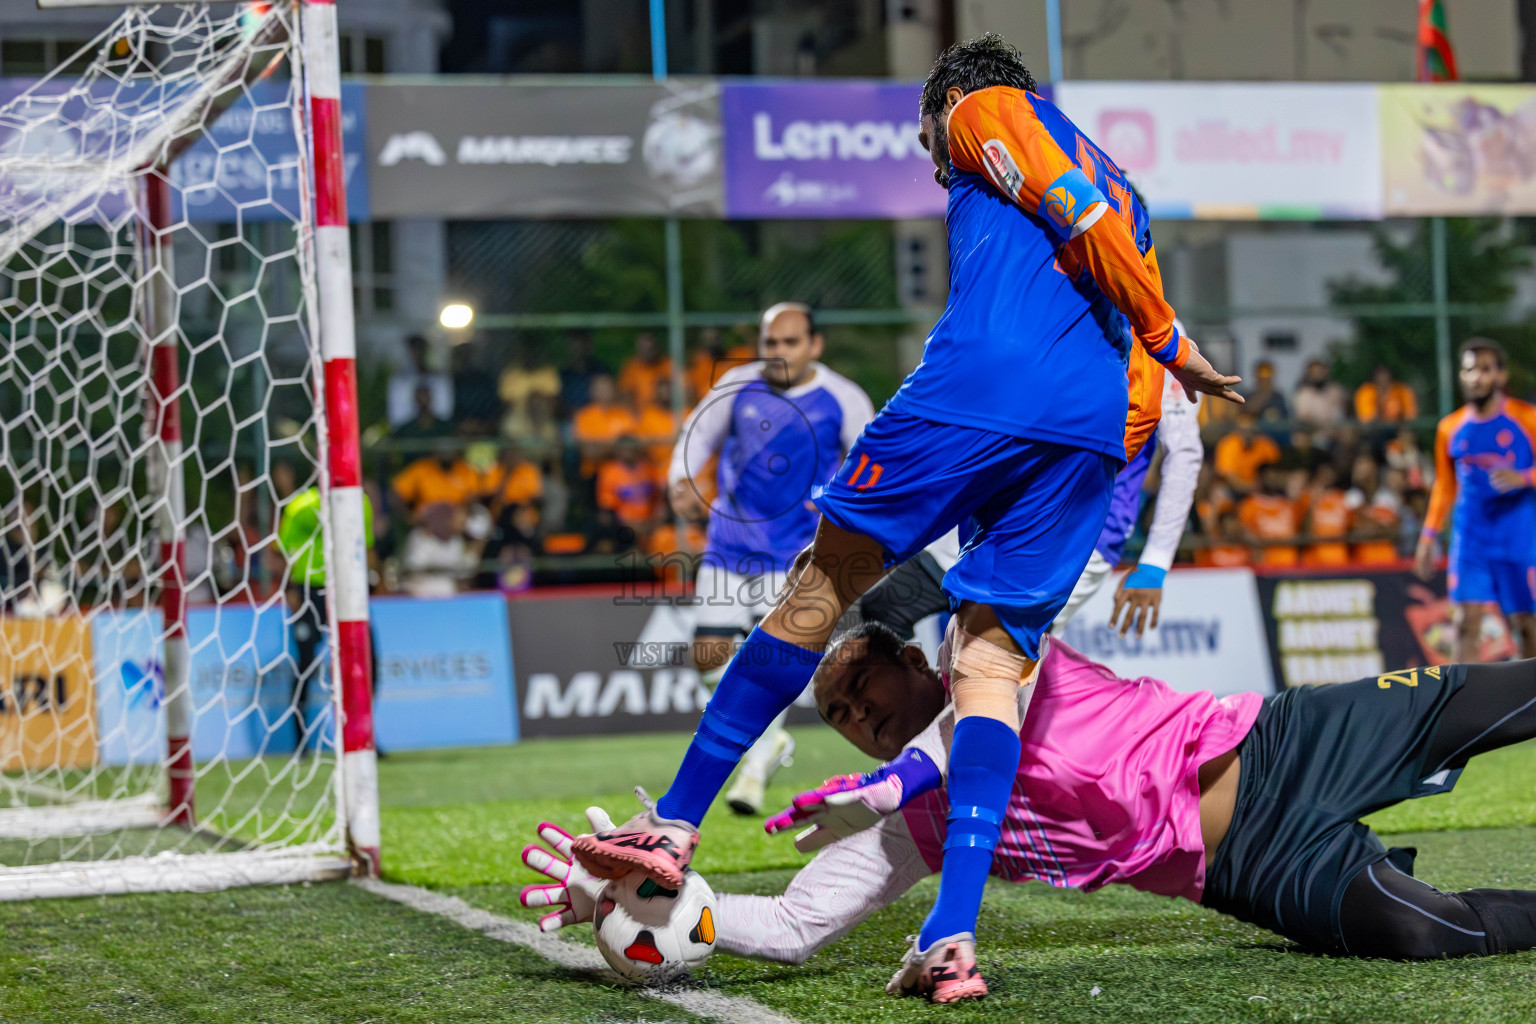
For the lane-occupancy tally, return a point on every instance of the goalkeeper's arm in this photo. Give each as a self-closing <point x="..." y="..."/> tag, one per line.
<point x="845" y="883"/>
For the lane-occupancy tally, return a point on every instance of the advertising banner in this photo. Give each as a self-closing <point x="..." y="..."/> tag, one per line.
<point x="1205" y="151"/>
<point x="1209" y="636"/>
<point x="46" y="701"/>
<point x="602" y="660"/>
<point x="445" y="679"/>
<point x="1455" y="150"/>
<point x="826" y="149"/>
<point x="1336" y="627"/>
<point x="484" y="150"/>
<point x="244" y="167"/>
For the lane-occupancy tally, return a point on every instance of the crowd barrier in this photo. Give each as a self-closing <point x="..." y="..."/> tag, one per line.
<point x="482" y="668"/>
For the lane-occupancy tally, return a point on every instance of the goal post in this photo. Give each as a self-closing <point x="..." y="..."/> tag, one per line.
<point x="181" y="505"/>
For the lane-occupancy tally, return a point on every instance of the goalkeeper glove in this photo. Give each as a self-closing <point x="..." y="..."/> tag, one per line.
<point x="846" y="804"/>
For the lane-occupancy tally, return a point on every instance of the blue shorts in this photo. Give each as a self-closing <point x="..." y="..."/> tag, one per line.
<point x="1030" y="512"/>
<point x="1475" y="580"/>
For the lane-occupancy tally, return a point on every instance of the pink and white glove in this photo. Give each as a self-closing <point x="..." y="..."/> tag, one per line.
<point x="846" y="804"/>
<point x="575" y="892"/>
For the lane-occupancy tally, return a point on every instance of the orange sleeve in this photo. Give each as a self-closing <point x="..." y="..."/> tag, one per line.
<point x="1410" y="403"/>
<point x="1365" y="402"/>
<point x="607" y="487"/>
<point x="1224" y="459"/>
<point x="1269" y="452"/>
<point x="1247" y="512"/>
<point x="405" y="484"/>
<point x="1525" y="415"/>
<point x="996" y="133"/>
<point x="1443" y="496"/>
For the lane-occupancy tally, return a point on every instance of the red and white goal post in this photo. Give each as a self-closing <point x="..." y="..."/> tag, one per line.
<point x="178" y="372"/>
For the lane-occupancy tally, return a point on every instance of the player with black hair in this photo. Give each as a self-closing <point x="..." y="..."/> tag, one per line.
<point x="1485" y="483"/>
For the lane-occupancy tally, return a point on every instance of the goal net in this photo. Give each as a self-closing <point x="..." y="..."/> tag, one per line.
<point x="168" y="718"/>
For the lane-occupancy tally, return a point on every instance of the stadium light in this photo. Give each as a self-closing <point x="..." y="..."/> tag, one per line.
<point x="456" y="316"/>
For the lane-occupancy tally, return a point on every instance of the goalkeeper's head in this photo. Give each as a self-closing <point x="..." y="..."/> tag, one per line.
<point x="877" y="690"/>
<point x="978" y="63"/>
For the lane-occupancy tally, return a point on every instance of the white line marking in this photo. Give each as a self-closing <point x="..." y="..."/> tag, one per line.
<point x="732" y="1009"/>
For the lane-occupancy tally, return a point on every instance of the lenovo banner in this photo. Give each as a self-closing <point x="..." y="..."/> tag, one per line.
<point x="483" y="150"/>
<point x="826" y="149"/>
<point x="1247" y="151"/>
<point x="1209" y="636"/>
<point x="1336" y="627"/>
<point x="599" y="660"/>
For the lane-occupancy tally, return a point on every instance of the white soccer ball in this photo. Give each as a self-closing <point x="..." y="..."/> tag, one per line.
<point x="653" y="935"/>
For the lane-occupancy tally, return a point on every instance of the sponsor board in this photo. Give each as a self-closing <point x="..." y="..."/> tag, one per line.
<point x="1237" y="150"/>
<point x="1454" y="150"/>
<point x="445" y="679"/>
<point x="1338" y="626"/>
<point x="1209" y="636"/>
<point x="480" y="150"/>
<point x="46" y="705"/>
<point x="826" y="149"/>
<point x="599" y="660"/>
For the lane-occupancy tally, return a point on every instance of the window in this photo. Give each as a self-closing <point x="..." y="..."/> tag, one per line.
<point x="373" y="267"/>
<point x="40" y="56"/>
<point x="365" y="55"/>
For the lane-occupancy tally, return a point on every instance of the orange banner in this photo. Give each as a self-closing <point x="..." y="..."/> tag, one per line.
<point x="47" y="701"/>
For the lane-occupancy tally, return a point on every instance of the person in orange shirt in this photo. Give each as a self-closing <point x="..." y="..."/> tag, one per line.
<point x="1241" y="454"/>
<point x="1268" y="517"/>
<point x="641" y="371"/>
<point x="600" y="424"/>
<point x="1327" y="519"/>
<point x="656" y="425"/>
<point x="441" y="477"/>
<point x="1386" y="400"/>
<point x="711" y="361"/>
<point x="513" y="480"/>
<point x="628" y="487"/>
<point x="1227" y="547"/>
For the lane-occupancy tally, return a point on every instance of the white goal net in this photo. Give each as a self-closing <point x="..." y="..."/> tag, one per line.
<point x="167" y="713"/>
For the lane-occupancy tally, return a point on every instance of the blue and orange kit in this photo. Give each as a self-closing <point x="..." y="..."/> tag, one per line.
<point x="1052" y="278"/>
<point x="1489" y="525"/>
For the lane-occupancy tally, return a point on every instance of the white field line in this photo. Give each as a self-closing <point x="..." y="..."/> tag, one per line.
<point x="570" y="955"/>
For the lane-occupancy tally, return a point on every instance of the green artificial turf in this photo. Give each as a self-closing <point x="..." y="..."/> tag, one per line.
<point x="456" y="822"/>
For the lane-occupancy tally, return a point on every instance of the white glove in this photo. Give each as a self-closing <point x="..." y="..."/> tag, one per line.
<point x="575" y="891"/>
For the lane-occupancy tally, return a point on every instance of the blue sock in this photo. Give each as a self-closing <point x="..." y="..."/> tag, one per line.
<point x="983" y="763"/>
<point x="764" y="678"/>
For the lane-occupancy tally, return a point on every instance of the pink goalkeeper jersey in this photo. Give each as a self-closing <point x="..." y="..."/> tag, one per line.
<point x="1108" y="787"/>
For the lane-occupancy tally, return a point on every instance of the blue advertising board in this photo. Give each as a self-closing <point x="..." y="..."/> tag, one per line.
<point x="445" y="679"/>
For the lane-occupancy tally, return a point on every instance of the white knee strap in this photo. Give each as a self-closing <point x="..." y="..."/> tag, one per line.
<point x="986" y="680"/>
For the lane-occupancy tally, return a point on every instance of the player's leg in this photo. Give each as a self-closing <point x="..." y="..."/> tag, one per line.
<point x="1495" y="706"/>
<point x="1035" y="537"/>
<point x="1471" y="586"/>
<point x="1386" y="913"/>
<point x="1514" y="586"/>
<point x="720" y="619"/>
<point x="775" y="746"/>
<point x="1467" y="640"/>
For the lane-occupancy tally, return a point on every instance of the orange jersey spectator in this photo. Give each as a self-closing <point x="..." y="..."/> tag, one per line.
<point x="640" y="372"/>
<point x="1382" y="550"/>
<point x="1243" y="453"/>
<point x="444" y="477"/>
<point x="1226" y="547"/>
<point x="1328" y="517"/>
<point x="629" y="488"/>
<point x="598" y="426"/>
<point x="1269" y="516"/>
<point x="518" y="484"/>
<point x="1382" y="398"/>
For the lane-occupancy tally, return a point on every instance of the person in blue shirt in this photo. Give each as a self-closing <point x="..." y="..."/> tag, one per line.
<point x="1014" y="424"/>
<point x="778" y="428"/>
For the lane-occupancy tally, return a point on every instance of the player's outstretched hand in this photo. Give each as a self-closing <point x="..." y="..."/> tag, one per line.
<point x="1140" y="594"/>
<point x="1199" y="375"/>
<point x="1424" y="559"/>
<point x="574" y="894"/>
<point x="846" y="804"/>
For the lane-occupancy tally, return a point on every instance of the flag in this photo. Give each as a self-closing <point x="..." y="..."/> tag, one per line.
<point x="1436" y="61"/>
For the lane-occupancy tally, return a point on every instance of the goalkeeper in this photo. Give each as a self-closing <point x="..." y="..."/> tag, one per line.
<point x="1245" y="804"/>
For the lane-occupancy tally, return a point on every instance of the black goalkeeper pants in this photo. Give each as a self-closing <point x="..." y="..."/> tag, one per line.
<point x="1387" y="913"/>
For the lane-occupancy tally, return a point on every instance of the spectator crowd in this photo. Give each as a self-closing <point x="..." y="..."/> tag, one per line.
<point x="576" y="464"/>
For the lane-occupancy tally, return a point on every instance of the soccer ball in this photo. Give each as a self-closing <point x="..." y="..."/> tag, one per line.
<point x="654" y="935"/>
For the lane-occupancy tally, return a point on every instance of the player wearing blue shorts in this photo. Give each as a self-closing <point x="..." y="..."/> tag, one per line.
<point x="1013" y="423"/>
<point x="778" y="428"/>
<point x="1485" y="472"/>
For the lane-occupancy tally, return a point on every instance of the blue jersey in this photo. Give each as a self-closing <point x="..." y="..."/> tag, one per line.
<point x="1031" y="343"/>
<point x="773" y="446"/>
<point x="1488" y="524"/>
